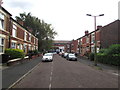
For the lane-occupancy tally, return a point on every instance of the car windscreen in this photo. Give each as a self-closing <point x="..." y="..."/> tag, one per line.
<point x="71" y="55"/>
<point x="48" y="55"/>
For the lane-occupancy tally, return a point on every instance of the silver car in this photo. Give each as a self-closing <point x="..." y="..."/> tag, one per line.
<point x="71" y="56"/>
<point x="47" y="57"/>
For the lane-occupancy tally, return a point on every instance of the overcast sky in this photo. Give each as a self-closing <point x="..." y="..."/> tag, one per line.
<point x="68" y="17"/>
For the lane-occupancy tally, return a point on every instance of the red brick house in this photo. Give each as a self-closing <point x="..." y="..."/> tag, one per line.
<point x="4" y="29"/>
<point x="74" y="46"/>
<point x="14" y="35"/>
<point x="105" y="36"/>
<point x="110" y="34"/>
<point x="61" y="45"/>
<point x="66" y="46"/>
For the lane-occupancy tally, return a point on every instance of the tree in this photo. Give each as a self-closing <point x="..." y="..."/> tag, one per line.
<point x="43" y="31"/>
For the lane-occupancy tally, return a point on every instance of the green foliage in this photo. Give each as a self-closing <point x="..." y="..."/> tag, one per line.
<point x="114" y="49"/>
<point x="110" y="56"/>
<point x="103" y="51"/>
<point x="33" y="52"/>
<point x="43" y="31"/>
<point x="15" y="53"/>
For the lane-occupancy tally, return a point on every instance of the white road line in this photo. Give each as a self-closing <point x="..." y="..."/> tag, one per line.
<point x="50" y="79"/>
<point x="50" y="86"/>
<point x="116" y="74"/>
<point x="52" y="69"/>
<point x="51" y="73"/>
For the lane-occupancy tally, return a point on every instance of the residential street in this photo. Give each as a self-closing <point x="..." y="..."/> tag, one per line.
<point x="62" y="73"/>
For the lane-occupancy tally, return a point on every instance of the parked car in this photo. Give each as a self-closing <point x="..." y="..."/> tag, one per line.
<point x="65" y="55"/>
<point x="71" y="56"/>
<point x="47" y="57"/>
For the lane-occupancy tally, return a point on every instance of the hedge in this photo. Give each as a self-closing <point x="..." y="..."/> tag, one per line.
<point x="33" y="52"/>
<point x="110" y="56"/>
<point x="91" y="56"/>
<point x="15" y="53"/>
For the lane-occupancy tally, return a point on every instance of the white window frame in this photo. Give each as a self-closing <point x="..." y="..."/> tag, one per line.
<point x="14" y="31"/>
<point x="13" y="45"/>
<point x="30" y="37"/>
<point x="19" y="46"/>
<point x="29" y="47"/>
<point x="25" y="47"/>
<point x="93" y="38"/>
<point x="2" y="43"/>
<point x="87" y="39"/>
<point x="2" y="21"/>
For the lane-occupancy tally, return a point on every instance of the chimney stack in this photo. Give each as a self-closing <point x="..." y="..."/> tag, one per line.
<point x="99" y="27"/>
<point x="86" y="32"/>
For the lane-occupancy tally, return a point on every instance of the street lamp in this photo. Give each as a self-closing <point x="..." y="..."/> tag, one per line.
<point x="95" y="47"/>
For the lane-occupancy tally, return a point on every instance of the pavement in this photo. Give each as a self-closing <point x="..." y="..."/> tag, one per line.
<point x="104" y="67"/>
<point x="11" y="74"/>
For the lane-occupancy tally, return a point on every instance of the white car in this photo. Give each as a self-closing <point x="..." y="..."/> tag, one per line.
<point x="47" y="57"/>
<point x="71" y="56"/>
<point x="65" y="55"/>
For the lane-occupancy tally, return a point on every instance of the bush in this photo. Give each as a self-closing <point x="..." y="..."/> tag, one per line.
<point x="33" y="52"/>
<point x="114" y="49"/>
<point x="110" y="56"/>
<point x="15" y="53"/>
<point x="91" y="56"/>
<point x="103" y="51"/>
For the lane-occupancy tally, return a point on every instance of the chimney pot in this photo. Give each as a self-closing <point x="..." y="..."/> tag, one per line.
<point x="86" y="32"/>
<point x="99" y="27"/>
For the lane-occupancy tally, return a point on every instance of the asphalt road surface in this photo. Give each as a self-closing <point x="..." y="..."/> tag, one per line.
<point x="62" y="73"/>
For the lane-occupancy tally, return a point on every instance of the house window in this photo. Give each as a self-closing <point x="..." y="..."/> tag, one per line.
<point x="25" y="36"/>
<point x="87" y="39"/>
<point x="93" y="38"/>
<point x="19" y="46"/>
<point x="30" y="37"/>
<point x="14" y="31"/>
<point x="25" y="48"/>
<point x="2" y="21"/>
<point x="1" y="45"/>
<point x="13" y="45"/>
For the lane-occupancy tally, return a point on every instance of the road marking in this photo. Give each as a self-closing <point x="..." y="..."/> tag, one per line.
<point x="51" y="73"/>
<point x="50" y="87"/>
<point x="11" y="86"/>
<point x="116" y="74"/>
<point x="50" y="79"/>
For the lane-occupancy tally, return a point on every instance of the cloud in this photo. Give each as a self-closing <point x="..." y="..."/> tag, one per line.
<point x="23" y="4"/>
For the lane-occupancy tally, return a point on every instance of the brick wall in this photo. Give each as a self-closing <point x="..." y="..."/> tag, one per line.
<point x="20" y="33"/>
<point x="110" y="34"/>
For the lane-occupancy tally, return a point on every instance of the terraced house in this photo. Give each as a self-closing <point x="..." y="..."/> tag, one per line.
<point x="105" y="36"/>
<point x="14" y="35"/>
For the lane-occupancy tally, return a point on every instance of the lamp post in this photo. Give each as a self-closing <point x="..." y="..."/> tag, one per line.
<point x="95" y="47"/>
